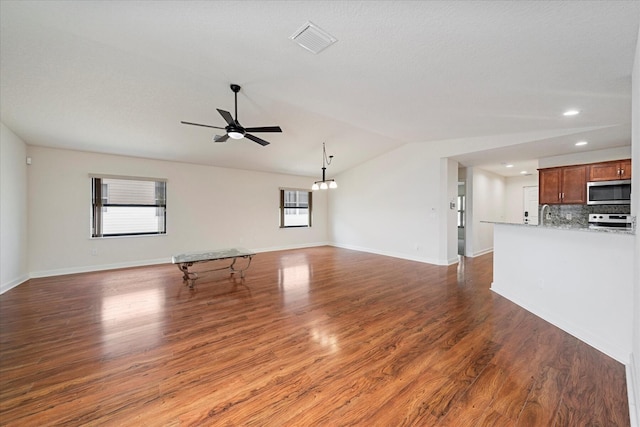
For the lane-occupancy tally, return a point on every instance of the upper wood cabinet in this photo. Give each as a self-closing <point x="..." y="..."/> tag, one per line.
<point x="610" y="171"/>
<point x="574" y="184"/>
<point x="566" y="185"/>
<point x="625" y="169"/>
<point x="549" y="186"/>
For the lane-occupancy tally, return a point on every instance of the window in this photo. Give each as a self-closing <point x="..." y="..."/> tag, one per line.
<point x="295" y="208"/>
<point x="128" y="206"/>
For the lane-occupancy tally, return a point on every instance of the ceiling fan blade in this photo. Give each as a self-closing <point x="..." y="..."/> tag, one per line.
<point x="264" y="129"/>
<point x="198" y="124"/>
<point x="256" y="139"/>
<point x="226" y="116"/>
<point x="219" y="138"/>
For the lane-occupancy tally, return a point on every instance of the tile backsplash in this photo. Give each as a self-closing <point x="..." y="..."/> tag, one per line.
<point x="580" y="213"/>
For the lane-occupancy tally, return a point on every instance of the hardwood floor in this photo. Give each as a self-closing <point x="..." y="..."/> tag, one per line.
<point x="320" y="336"/>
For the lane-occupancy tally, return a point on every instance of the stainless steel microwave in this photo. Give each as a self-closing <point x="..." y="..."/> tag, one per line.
<point x="609" y="192"/>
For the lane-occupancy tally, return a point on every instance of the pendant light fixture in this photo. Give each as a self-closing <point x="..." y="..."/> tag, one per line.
<point x="325" y="183"/>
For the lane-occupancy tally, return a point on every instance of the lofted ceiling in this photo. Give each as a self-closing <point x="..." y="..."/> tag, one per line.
<point x="119" y="76"/>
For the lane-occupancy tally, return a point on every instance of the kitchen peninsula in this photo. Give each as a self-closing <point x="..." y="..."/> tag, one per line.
<point x="570" y="276"/>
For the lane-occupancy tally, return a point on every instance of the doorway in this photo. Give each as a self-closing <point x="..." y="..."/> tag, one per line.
<point x="461" y="216"/>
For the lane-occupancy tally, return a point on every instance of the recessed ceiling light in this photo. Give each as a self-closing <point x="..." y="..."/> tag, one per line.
<point x="509" y="166"/>
<point x="579" y="143"/>
<point x="523" y="172"/>
<point x="571" y="113"/>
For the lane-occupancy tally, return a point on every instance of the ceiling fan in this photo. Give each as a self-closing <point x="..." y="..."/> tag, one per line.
<point x="234" y="128"/>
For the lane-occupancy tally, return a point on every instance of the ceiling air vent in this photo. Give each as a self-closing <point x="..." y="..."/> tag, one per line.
<point x="313" y="38"/>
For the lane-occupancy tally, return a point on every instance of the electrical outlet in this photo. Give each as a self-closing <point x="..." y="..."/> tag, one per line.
<point x="568" y="216"/>
<point x="93" y="251"/>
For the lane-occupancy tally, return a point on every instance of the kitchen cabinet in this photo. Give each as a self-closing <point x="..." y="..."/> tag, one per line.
<point x="610" y="171"/>
<point x="563" y="185"/>
<point x="625" y="169"/>
<point x="549" y="186"/>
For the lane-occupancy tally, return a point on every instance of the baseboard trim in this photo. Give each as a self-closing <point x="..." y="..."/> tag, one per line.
<point x="452" y="261"/>
<point x="598" y="343"/>
<point x="290" y="247"/>
<point x="395" y="254"/>
<point x="13" y="283"/>
<point x="482" y="252"/>
<point x="92" y="268"/>
<point x="142" y="263"/>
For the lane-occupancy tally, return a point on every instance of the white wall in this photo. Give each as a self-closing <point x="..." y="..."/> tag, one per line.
<point x="514" y="196"/>
<point x="396" y="203"/>
<point x="207" y="208"/>
<point x="486" y="202"/>
<point x="634" y="377"/>
<point x="391" y="205"/>
<point x="581" y="281"/>
<point x="13" y="210"/>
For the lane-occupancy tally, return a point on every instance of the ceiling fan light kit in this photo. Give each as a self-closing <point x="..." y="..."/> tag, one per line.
<point x="234" y="129"/>
<point x="235" y="134"/>
<point x="325" y="183"/>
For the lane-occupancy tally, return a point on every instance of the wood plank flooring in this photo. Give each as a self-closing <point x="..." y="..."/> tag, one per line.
<point x="311" y="337"/>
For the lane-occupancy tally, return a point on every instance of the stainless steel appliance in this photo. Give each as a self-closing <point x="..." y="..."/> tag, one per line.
<point x="611" y="221"/>
<point x="609" y="192"/>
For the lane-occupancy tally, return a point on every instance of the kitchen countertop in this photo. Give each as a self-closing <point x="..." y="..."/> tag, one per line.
<point x="567" y="227"/>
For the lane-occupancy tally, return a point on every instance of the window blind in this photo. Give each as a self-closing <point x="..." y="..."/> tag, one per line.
<point x="127" y="207"/>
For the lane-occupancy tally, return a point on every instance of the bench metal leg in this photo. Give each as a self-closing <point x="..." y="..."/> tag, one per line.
<point x="189" y="277"/>
<point x="242" y="270"/>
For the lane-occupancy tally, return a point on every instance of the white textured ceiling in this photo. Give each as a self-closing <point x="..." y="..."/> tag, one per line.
<point x="118" y="77"/>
